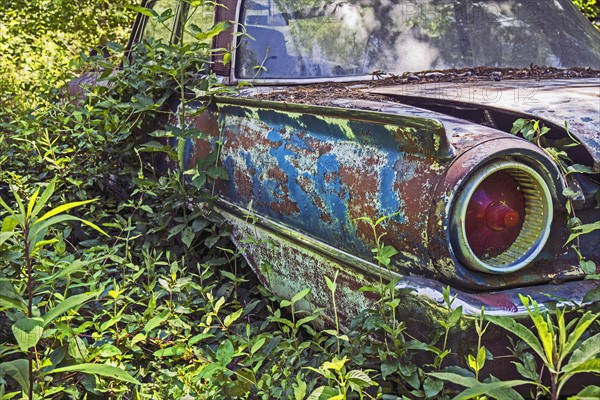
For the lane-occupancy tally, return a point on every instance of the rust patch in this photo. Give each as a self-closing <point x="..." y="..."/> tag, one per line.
<point x="362" y="202"/>
<point x="244" y="184"/>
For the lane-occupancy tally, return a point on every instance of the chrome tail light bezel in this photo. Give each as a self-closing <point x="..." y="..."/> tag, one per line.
<point x="536" y="221"/>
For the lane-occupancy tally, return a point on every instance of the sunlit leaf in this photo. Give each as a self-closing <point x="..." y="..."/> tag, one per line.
<point x="231" y="318"/>
<point x="31" y="203"/>
<point x="487" y="388"/>
<point x="66" y="305"/>
<point x="156" y="321"/>
<point x="300" y="295"/>
<point x="587" y="350"/>
<point x="584" y="322"/>
<point x="28" y="332"/>
<point x="63" y="208"/>
<point x="98" y="369"/>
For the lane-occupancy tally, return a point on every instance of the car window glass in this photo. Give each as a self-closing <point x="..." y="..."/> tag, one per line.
<point x="199" y="19"/>
<point x="161" y="30"/>
<point x="325" y="38"/>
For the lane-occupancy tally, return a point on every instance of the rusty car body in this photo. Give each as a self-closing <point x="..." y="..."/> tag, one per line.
<point x="338" y="128"/>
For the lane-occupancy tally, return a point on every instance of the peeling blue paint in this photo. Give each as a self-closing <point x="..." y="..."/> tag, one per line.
<point x="306" y="172"/>
<point x="388" y="197"/>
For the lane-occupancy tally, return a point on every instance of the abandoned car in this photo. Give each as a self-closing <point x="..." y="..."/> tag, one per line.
<point x="381" y="124"/>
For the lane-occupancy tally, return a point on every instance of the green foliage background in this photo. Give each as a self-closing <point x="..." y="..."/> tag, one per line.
<point x="591" y="9"/>
<point x="38" y="39"/>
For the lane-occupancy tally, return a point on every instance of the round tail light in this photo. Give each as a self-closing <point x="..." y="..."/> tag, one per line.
<point x="501" y="218"/>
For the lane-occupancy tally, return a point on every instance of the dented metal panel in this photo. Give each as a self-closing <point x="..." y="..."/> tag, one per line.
<point x="318" y="171"/>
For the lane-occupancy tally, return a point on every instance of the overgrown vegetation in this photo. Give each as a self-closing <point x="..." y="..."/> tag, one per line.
<point x="113" y="286"/>
<point x="591" y="9"/>
<point x="38" y="40"/>
<point x="535" y="132"/>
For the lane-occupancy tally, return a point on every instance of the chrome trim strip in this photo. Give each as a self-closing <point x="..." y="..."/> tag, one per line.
<point x="428" y="289"/>
<point x="226" y="207"/>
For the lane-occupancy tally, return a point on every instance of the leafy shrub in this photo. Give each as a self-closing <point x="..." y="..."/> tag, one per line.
<point x="39" y="38"/>
<point x="591" y="9"/>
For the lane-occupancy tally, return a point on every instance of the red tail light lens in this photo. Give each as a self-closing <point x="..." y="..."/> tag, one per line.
<point x="501" y="218"/>
<point x="494" y="215"/>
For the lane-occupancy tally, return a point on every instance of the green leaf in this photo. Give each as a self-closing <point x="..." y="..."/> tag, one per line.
<point x="219" y="303"/>
<point x="66" y="305"/>
<point x="591" y="392"/>
<point x="9" y="223"/>
<point x="323" y="393"/>
<point x="32" y="203"/>
<point x="10" y="298"/>
<point x="360" y="378"/>
<point x="231" y="318"/>
<point x="187" y="236"/>
<point x="461" y="380"/>
<point x="588" y="349"/>
<point x="7" y="302"/>
<point x="43" y="199"/>
<point x="510" y="325"/>
<point x="468" y="381"/>
<point x="527" y="369"/>
<point x="156" y="321"/>
<point x="518" y="125"/>
<point x="19" y="202"/>
<point x="63" y="208"/>
<point x="214" y="31"/>
<point x="591" y="365"/>
<point x="18" y="370"/>
<point x="592" y="295"/>
<point x="209" y="370"/>
<point x="175" y="230"/>
<point x="472" y="362"/>
<point x="388" y="251"/>
<point x="173" y="351"/>
<point x="38" y="231"/>
<point x="7" y="208"/>
<point x="257" y="346"/>
<point x="583" y="230"/>
<point x="199" y="337"/>
<point x="544" y="329"/>
<point x="487" y="388"/>
<point x="388" y="368"/>
<point x="225" y="352"/>
<point x="307" y="319"/>
<point x="331" y="284"/>
<point x="583" y="324"/>
<point x="75" y="266"/>
<point x="108" y="350"/>
<point x="455" y="316"/>
<point x="285" y="303"/>
<point x="143" y="10"/>
<point x="481" y="354"/>
<point x="28" y="332"/>
<point x="588" y="266"/>
<point x="432" y="387"/>
<point x="299" y="296"/>
<point x="578" y="168"/>
<point x="300" y="389"/>
<point x="98" y="369"/>
<point x="336" y="364"/>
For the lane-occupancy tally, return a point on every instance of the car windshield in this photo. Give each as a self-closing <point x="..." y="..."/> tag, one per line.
<point x="291" y="39"/>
